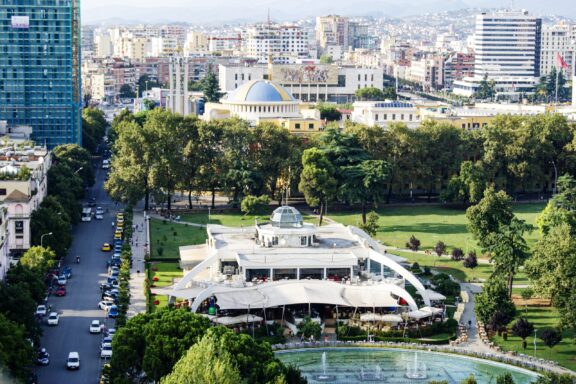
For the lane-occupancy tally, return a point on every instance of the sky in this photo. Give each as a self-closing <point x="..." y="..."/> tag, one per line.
<point x="221" y="11"/>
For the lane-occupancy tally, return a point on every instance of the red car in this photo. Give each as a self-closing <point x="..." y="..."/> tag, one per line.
<point x="60" y="291"/>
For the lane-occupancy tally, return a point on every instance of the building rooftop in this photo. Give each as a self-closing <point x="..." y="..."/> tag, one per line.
<point x="260" y="91"/>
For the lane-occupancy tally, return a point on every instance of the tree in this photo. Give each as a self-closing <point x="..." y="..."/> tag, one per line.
<point x="33" y="279"/>
<point x="552" y="269"/>
<point x="561" y="208"/>
<point x="51" y="217"/>
<point x="16" y="353"/>
<point x="440" y="248"/>
<point x="252" y="205"/>
<point x="18" y="305"/>
<point x="326" y="59"/>
<point x="471" y="261"/>
<point x="149" y="104"/>
<point x="145" y="82"/>
<point x="499" y="320"/>
<point x="486" y="89"/>
<point x="317" y="180"/>
<point x="371" y="226"/>
<point x="522" y="328"/>
<point x="509" y="250"/>
<point x="551" y="337"/>
<point x="457" y="254"/>
<point x="505" y="378"/>
<point x="486" y="217"/>
<point x="494" y="298"/>
<point x="39" y="258"/>
<point x="469" y="380"/>
<point x="205" y="362"/>
<point x="78" y="159"/>
<point x="210" y="87"/>
<point x="389" y="93"/>
<point x="555" y="378"/>
<point x="308" y="328"/>
<point x="369" y="94"/>
<point x="526" y="294"/>
<point x="329" y="112"/>
<point x="468" y="187"/>
<point x="126" y="92"/>
<point x="150" y="344"/>
<point x="445" y="285"/>
<point x="413" y="243"/>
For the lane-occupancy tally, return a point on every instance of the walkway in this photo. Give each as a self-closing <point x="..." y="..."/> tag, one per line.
<point x="137" y="272"/>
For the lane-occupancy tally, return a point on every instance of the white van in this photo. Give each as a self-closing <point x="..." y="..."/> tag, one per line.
<point x="86" y="214"/>
<point x="73" y="361"/>
<point x="105" y="164"/>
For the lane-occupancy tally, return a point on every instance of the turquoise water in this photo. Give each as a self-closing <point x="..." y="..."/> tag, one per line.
<point x="380" y="365"/>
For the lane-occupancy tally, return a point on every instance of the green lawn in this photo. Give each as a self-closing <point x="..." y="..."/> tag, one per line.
<point x="166" y="273"/>
<point x="169" y="236"/>
<point x="431" y="224"/>
<point x="542" y="317"/>
<point x="233" y="219"/>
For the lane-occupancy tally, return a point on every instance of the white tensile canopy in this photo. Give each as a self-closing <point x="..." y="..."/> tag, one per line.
<point x="432" y="310"/>
<point x="277" y="294"/>
<point x="370" y="317"/>
<point x="435" y="296"/>
<point x="392" y="318"/>
<point x="419" y="314"/>
<point x="231" y="320"/>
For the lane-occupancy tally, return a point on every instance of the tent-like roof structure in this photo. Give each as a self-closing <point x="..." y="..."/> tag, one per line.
<point x="290" y="292"/>
<point x="286" y="217"/>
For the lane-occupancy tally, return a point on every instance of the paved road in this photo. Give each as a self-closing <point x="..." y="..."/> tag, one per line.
<point x="79" y="307"/>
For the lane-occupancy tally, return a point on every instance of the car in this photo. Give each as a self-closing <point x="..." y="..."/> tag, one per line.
<point x="107" y="340"/>
<point x="95" y="326"/>
<point x="120" y="223"/>
<point x="41" y="310"/>
<point x="105" y="304"/>
<point x="99" y="213"/>
<point x="114" y="273"/>
<point x="53" y="318"/>
<point x="92" y="202"/>
<point x="120" y="230"/>
<point x="106" y="247"/>
<point x="60" y="291"/>
<point x="73" y="360"/>
<point x="67" y="272"/>
<point x="113" y="312"/>
<point x="111" y="332"/>
<point x="62" y="280"/>
<point x="118" y="242"/>
<point x="43" y="357"/>
<point x="105" y="164"/>
<point x="106" y="351"/>
<point x="117" y="235"/>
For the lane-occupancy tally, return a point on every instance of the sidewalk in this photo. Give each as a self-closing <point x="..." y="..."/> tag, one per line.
<point x="137" y="272"/>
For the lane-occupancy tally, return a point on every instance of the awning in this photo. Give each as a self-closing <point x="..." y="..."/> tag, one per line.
<point x="370" y="317"/>
<point x="392" y="318"/>
<point x="432" y="310"/>
<point x="435" y="296"/>
<point x="230" y="320"/>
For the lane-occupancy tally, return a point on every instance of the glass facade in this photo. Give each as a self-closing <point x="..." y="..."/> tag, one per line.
<point x="40" y="82"/>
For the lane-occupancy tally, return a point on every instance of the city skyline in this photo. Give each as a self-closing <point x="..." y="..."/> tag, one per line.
<point x="223" y="11"/>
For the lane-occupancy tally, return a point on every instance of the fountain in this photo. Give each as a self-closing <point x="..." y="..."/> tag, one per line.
<point x="416" y="369"/>
<point x="371" y="374"/>
<point x="324" y="377"/>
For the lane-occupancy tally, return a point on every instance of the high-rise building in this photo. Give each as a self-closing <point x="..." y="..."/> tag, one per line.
<point x="557" y="40"/>
<point x="332" y="30"/>
<point x="507" y="50"/>
<point x="285" y="43"/>
<point x="40" y="64"/>
<point x="179" y="97"/>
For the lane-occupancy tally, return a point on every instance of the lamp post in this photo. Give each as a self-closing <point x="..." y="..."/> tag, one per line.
<point x="209" y="214"/>
<point x="535" y="331"/>
<point x="42" y="238"/>
<point x="78" y="170"/>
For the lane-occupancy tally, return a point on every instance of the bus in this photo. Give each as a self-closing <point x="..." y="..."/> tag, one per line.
<point x="86" y="214"/>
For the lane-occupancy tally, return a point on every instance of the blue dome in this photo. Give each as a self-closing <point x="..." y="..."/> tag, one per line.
<point x="260" y="91"/>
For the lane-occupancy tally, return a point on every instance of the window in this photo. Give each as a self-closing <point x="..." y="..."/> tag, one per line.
<point x="2" y="191"/>
<point x="19" y="227"/>
<point x="297" y="126"/>
<point x="393" y="116"/>
<point x="311" y="126"/>
<point x="376" y="117"/>
<point x="303" y="240"/>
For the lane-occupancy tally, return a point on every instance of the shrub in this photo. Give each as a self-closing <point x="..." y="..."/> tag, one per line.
<point x="415" y="267"/>
<point x="457" y="254"/>
<point x="252" y="205"/>
<point x="440" y="248"/>
<point x="413" y="243"/>
<point x="371" y="226"/>
<point x="471" y="261"/>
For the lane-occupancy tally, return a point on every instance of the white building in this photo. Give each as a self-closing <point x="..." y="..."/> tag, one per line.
<point x="103" y="47"/>
<point x="507" y="50"/>
<point x="196" y="42"/>
<point x="22" y="188"/>
<point x="178" y="100"/>
<point x="557" y="39"/>
<point x="332" y="30"/>
<point x="306" y="82"/>
<point x="285" y="43"/>
<point x="163" y="46"/>
<point x="384" y="113"/>
<point x="289" y="264"/>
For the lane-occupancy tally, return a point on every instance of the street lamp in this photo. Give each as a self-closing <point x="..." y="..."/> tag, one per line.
<point x="42" y="238"/>
<point x="78" y="170"/>
<point x="535" y="331"/>
<point x="209" y="214"/>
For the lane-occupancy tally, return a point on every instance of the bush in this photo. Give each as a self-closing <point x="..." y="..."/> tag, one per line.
<point x="413" y="243"/>
<point x="252" y="205"/>
<point x="457" y="254"/>
<point x="471" y="261"/>
<point x="371" y="226"/>
<point x="415" y="268"/>
<point x="445" y="285"/>
<point x="427" y="271"/>
<point x="440" y="248"/>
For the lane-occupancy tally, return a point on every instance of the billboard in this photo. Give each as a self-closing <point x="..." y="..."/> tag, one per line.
<point x="20" y="22"/>
<point x="305" y="74"/>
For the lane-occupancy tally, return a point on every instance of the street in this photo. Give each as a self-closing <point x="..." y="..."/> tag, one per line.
<point x="79" y="307"/>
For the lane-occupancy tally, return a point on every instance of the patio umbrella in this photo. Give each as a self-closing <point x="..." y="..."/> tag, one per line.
<point x="392" y="318"/>
<point x="370" y="317"/>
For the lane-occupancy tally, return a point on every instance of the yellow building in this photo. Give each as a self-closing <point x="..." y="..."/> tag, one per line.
<point x="265" y="101"/>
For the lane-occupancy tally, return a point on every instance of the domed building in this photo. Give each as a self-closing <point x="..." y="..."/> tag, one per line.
<point x="265" y="101"/>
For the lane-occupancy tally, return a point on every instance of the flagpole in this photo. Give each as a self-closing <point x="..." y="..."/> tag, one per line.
<point x="556" y="95"/>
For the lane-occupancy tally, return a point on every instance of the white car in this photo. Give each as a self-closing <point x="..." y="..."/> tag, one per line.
<point x="73" y="361"/>
<point x="106" y="351"/>
<point x="41" y="310"/>
<point x="95" y="326"/>
<point x="62" y="280"/>
<point x="99" y="213"/>
<point x="105" y="304"/>
<point x="105" y="164"/>
<point x="53" y="318"/>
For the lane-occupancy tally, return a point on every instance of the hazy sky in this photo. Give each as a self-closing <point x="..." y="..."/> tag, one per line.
<point x="220" y="11"/>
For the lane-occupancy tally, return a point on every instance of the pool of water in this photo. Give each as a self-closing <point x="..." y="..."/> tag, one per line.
<point x="381" y="365"/>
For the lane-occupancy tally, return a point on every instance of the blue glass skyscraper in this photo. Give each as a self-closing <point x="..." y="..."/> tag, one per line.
<point x="40" y="82"/>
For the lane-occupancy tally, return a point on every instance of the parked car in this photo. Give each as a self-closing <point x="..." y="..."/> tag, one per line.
<point x="62" y="280"/>
<point x="105" y="304"/>
<point x="113" y="312"/>
<point x="111" y="332"/>
<point x="53" y="318"/>
<point x="67" y="272"/>
<point x="106" y="351"/>
<point x="73" y="361"/>
<point x="60" y="291"/>
<point x="41" y="310"/>
<point x="95" y="326"/>
<point x="99" y="213"/>
<point x="43" y="357"/>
